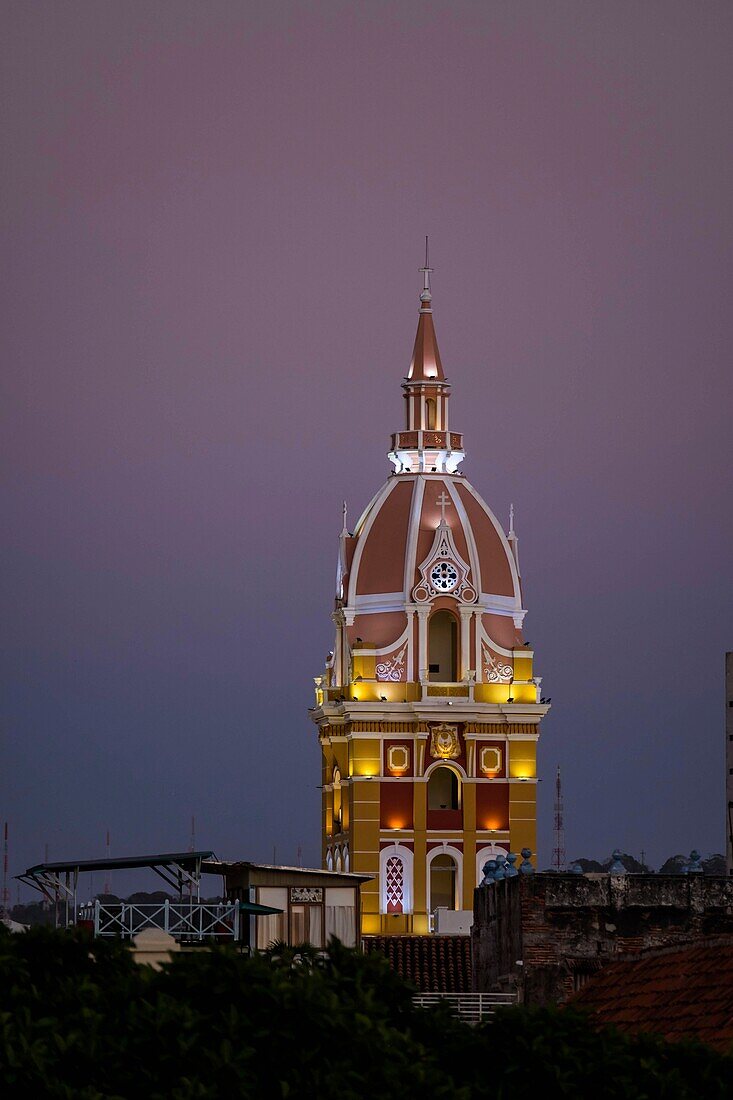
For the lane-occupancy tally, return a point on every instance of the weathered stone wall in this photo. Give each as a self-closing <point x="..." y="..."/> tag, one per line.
<point x="543" y="934"/>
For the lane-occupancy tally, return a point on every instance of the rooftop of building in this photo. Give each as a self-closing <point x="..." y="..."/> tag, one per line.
<point x="678" y="993"/>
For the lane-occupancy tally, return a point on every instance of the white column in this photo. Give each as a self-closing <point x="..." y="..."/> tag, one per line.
<point x="422" y="641"/>
<point x="465" y="613"/>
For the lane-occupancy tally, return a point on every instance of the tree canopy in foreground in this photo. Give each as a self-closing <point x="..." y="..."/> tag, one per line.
<point x="79" y="1018"/>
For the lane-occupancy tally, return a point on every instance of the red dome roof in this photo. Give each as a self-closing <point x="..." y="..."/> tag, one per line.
<point x="395" y="534"/>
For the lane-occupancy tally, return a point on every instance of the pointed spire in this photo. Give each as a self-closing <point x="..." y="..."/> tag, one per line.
<point x="426" y="365"/>
<point x="511" y="520"/>
<point x="344" y="528"/>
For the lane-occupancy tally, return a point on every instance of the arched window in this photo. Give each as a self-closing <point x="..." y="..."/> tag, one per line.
<point x="443" y="882"/>
<point x="443" y="647"/>
<point x="329" y="860"/>
<point x="336" y="800"/>
<point x="346" y="857"/>
<point x="339" y="865"/>
<point x="444" y="789"/>
<point x="395" y="875"/>
<point x="395" y="885"/>
<point x="430" y="414"/>
<point x="491" y="851"/>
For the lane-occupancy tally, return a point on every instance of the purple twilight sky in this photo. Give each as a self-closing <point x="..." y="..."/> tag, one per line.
<point x="213" y="215"/>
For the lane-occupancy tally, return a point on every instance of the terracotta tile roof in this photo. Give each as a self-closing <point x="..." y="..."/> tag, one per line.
<point x="680" y="993"/>
<point x="434" y="964"/>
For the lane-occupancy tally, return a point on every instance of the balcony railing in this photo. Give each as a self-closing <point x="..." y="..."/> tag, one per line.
<point x="187" y="921"/>
<point x="472" y="1008"/>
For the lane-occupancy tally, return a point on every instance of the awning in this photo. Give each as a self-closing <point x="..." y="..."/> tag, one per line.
<point x="257" y="910"/>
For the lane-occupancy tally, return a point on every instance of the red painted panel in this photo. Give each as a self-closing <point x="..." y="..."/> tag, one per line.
<point x="395" y="805"/>
<point x="445" y="819"/>
<point x="492" y="805"/>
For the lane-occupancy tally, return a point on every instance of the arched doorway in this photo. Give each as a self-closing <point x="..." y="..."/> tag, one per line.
<point x="442" y="647"/>
<point x="443" y="882"/>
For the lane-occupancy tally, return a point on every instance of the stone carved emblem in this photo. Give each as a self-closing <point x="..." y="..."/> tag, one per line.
<point x="444" y="743"/>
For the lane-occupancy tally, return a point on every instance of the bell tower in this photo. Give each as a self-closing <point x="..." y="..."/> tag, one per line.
<point x="428" y="710"/>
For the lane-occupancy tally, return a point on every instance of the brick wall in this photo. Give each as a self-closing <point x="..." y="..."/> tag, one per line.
<point x="544" y="934"/>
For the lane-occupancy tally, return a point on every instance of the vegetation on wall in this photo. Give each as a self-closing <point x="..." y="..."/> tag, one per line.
<point x="79" y="1018"/>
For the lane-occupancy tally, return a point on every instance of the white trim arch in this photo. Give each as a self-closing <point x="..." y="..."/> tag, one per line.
<point x="445" y="850"/>
<point x="449" y="763"/>
<point x="489" y="851"/>
<point x="405" y="854"/>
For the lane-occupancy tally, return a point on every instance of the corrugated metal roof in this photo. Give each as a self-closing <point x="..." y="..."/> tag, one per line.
<point x="183" y="859"/>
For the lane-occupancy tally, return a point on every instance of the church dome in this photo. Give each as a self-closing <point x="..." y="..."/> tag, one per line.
<point x="428" y="708"/>
<point x="427" y="542"/>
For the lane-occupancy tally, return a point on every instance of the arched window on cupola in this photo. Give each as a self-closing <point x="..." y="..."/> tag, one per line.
<point x="430" y="414"/>
<point x="442" y="647"/>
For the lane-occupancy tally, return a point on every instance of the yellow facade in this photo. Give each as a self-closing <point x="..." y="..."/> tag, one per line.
<point x="428" y="709"/>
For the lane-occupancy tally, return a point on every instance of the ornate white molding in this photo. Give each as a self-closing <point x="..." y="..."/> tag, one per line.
<point x="393" y="669"/>
<point x="495" y="672"/>
<point x="444" y="572"/>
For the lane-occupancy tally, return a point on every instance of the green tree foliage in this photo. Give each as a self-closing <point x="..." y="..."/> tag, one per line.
<point x="79" y="1018"/>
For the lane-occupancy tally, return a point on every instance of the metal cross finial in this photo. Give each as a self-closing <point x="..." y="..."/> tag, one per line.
<point x="425" y="296"/>
<point x="442" y="500"/>
<point x="511" y="518"/>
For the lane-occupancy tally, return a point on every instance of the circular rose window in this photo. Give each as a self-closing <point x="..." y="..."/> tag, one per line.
<point x="444" y="576"/>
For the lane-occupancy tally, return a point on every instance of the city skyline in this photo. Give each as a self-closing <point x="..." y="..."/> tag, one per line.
<point x="213" y="224"/>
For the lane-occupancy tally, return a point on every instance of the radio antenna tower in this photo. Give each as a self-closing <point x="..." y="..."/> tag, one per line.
<point x="107" y="873"/>
<point x="558" y="852"/>
<point x="5" y="906"/>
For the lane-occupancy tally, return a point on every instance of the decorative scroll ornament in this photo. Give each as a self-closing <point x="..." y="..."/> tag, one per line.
<point x="394" y="668"/>
<point x="494" y="671"/>
<point x="444" y="743"/>
<point x="444" y="572"/>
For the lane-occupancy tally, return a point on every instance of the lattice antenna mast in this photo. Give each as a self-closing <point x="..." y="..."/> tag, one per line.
<point x="558" y="852"/>
<point x="5" y="906"/>
<point x="107" y="874"/>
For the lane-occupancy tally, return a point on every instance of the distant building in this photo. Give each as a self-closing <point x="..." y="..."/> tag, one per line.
<point x="428" y="709"/>
<point x="545" y="935"/>
<point x="310" y="905"/>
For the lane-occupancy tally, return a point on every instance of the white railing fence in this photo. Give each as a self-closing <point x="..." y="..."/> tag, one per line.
<point x="185" y="920"/>
<point x="469" y="1007"/>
